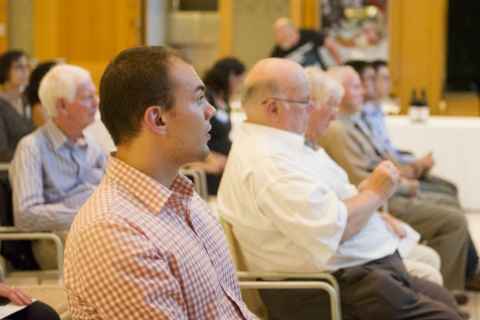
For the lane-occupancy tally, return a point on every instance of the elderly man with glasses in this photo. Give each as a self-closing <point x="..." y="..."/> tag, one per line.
<point x="293" y="210"/>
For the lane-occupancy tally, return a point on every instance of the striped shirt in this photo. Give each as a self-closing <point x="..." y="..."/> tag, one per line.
<point x="139" y="250"/>
<point x="52" y="177"/>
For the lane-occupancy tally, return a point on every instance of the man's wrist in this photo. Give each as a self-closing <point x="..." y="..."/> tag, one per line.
<point x="374" y="195"/>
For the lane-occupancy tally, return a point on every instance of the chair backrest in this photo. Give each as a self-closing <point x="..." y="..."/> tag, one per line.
<point x="18" y="252"/>
<point x="237" y="257"/>
<point x="251" y="297"/>
<point x="6" y="208"/>
<point x="199" y="179"/>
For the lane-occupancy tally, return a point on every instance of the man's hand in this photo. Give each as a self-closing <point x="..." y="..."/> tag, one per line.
<point x="383" y="181"/>
<point x="394" y="225"/>
<point x="425" y="164"/>
<point x="15" y="295"/>
<point x="411" y="186"/>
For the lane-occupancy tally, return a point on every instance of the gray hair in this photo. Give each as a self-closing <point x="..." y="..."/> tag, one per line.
<point x="61" y="82"/>
<point x="322" y="86"/>
<point x="341" y="73"/>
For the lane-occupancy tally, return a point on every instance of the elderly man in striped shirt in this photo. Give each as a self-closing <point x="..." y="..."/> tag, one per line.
<point x="56" y="168"/>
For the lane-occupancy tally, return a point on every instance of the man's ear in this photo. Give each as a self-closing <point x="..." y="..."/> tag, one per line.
<point x="61" y="106"/>
<point x="154" y="120"/>
<point x="272" y="108"/>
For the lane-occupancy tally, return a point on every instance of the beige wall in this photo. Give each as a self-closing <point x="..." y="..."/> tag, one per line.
<point x="20" y="25"/>
<point x="249" y="23"/>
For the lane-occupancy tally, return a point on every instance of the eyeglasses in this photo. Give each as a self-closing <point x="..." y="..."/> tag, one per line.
<point x="304" y="103"/>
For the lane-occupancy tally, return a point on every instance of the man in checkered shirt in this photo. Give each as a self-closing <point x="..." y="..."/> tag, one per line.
<point x="145" y="246"/>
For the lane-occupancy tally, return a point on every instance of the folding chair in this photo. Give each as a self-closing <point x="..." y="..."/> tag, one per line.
<point x="248" y="280"/>
<point x="10" y="233"/>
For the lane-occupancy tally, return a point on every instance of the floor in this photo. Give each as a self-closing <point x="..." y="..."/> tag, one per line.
<point x="474" y="305"/>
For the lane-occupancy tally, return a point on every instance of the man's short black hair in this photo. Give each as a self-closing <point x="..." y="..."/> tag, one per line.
<point x="358" y="65"/>
<point x="377" y="64"/>
<point x="6" y="61"/>
<point x="135" y="80"/>
<point x="31" y="91"/>
<point x="217" y="78"/>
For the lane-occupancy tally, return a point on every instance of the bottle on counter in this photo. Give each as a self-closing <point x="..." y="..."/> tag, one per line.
<point x="424" y="108"/>
<point x="414" y="109"/>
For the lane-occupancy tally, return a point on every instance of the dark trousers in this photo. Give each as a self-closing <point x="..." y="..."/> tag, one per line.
<point x="36" y="311"/>
<point x="381" y="289"/>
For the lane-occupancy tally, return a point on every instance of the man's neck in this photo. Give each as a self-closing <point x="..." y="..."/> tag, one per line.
<point x="159" y="169"/>
<point x="72" y="134"/>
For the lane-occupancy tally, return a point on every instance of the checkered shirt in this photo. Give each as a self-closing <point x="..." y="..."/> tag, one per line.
<point x="138" y="250"/>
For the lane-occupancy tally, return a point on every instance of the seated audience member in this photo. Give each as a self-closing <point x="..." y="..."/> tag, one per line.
<point x="299" y="206"/>
<point x="383" y="88"/>
<point x="31" y="92"/>
<point x="422" y="261"/>
<point x="14" y="72"/>
<point x="56" y="168"/>
<point x="416" y="170"/>
<point x="14" y="115"/>
<point x="302" y="46"/>
<point x="145" y="246"/>
<point x="34" y="310"/>
<point x="222" y="81"/>
<point x="442" y="225"/>
<point x="373" y="116"/>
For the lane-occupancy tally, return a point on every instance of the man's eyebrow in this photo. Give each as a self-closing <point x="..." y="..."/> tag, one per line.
<point x="200" y="88"/>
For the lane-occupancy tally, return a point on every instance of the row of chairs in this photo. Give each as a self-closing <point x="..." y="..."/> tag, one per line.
<point x="48" y="285"/>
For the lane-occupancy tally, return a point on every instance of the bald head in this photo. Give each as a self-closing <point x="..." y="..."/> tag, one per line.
<point x="286" y="34"/>
<point x="276" y="92"/>
<point x="270" y="77"/>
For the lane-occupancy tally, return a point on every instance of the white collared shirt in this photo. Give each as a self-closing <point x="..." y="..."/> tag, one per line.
<point x="284" y="201"/>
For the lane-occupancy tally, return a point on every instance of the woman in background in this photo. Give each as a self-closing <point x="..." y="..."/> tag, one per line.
<point x="14" y="113"/>
<point x="14" y="73"/>
<point x="223" y="80"/>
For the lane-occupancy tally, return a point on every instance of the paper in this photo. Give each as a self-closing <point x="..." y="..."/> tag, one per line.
<point x="10" y="308"/>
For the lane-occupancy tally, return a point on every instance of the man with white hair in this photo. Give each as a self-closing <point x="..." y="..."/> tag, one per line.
<point x="292" y="209"/>
<point x="56" y="168"/>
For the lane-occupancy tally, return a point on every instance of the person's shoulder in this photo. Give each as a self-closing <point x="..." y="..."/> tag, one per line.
<point x="32" y="141"/>
<point x="101" y="209"/>
<point x="336" y="128"/>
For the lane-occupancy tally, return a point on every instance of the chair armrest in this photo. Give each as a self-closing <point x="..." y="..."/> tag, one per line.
<point x="12" y="233"/>
<point x="273" y="276"/>
<point x="323" y="283"/>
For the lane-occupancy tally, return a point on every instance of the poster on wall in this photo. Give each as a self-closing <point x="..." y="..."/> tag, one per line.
<point x="357" y="27"/>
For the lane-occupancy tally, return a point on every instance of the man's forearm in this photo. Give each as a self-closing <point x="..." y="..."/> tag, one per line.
<point x="45" y="217"/>
<point x="360" y="209"/>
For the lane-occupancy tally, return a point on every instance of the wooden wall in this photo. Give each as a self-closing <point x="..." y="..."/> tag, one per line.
<point x="3" y="25"/>
<point x="88" y="32"/>
<point x="418" y="41"/>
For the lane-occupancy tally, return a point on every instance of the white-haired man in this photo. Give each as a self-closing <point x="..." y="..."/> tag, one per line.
<point x="56" y="168"/>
